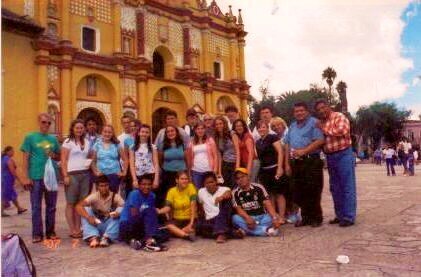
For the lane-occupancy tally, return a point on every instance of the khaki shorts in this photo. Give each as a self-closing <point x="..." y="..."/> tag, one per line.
<point x="78" y="188"/>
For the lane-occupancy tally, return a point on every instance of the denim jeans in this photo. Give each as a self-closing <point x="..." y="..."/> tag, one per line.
<point x="197" y="179"/>
<point x="342" y="183"/>
<point x="263" y="222"/>
<point x="390" y="166"/>
<point x="108" y="228"/>
<point x="217" y="225"/>
<point x="142" y="226"/>
<point x="37" y="192"/>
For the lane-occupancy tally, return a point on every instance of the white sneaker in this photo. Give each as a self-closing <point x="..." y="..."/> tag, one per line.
<point x="272" y="232"/>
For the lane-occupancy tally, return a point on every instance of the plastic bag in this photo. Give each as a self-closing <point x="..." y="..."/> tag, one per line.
<point x="50" y="178"/>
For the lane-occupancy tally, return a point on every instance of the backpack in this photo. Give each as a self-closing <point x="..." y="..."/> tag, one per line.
<point x="15" y="257"/>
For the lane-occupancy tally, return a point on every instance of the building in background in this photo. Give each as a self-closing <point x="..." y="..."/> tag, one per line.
<point x="412" y="131"/>
<point x="105" y="58"/>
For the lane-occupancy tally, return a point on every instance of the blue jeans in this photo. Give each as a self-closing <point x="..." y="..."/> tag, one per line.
<point x="390" y="166"/>
<point x="197" y="179"/>
<point x="108" y="228"/>
<point x="264" y="221"/>
<point x="342" y="183"/>
<point x="143" y="226"/>
<point x="37" y="192"/>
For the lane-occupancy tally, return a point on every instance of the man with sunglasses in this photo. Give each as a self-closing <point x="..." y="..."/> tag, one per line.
<point x="37" y="148"/>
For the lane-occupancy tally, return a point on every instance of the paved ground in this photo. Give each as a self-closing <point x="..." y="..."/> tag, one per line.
<point x="386" y="241"/>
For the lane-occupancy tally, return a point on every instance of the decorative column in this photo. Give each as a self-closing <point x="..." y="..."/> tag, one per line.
<point x="118" y="106"/>
<point x="116" y="27"/>
<point x="68" y="98"/>
<point x="144" y="107"/>
<point x="186" y="45"/>
<point x="241" y="45"/>
<point x="42" y="84"/>
<point x="205" y="50"/>
<point x="140" y="22"/>
<point x="42" y="12"/>
<point x="244" y="106"/>
<point x="233" y="59"/>
<point x="208" y="102"/>
<point x="65" y="20"/>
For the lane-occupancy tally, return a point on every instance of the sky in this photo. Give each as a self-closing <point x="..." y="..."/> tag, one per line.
<point x="374" y="46"/>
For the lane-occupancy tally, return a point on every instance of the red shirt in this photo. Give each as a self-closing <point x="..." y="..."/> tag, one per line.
<point x="244" y="153"/>
<point x="337" y="132"/>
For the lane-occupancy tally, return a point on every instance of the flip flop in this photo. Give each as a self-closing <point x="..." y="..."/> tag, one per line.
<point x="22" y="211"/>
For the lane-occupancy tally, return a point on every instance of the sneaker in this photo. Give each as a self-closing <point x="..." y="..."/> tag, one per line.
<point x="345" y="223"/>
<point x="292" y="218"/>
<point x="272" y="232"/>
<point x="152" y="246"/>
<point x="105" y="242"/>
<point x="136" y="244"/>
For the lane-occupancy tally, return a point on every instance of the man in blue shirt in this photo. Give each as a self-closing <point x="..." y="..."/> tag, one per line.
<point x="303" y="143"/>
<point x="139" y="220"/>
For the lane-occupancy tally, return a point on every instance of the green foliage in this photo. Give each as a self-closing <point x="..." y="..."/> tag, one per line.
<point x="380" y="120"/>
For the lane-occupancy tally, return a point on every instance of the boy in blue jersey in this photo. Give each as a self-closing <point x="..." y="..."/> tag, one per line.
<point x="139" y="220"/>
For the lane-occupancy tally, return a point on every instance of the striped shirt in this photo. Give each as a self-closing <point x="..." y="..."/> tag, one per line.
<point x="337" y="132"/>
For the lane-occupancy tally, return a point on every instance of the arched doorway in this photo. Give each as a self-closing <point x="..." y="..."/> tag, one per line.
<point x="158" y="65"/>
<point x="94" y="114"/>
<point x="163" y="62"/>
<point x="167" y="98"/>
<point x="158" y="120"/>
<point x="222" y="103"/>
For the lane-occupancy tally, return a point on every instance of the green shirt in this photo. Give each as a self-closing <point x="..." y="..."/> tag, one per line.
<point x="37" y="145"/>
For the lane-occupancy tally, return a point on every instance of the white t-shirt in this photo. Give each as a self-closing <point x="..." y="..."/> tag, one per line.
<point x="208" y="201"/>
<point x="201" y="159"/>
<point x="78" y="158"/>
<point x="144" y="160"/>
<point x="121" y="138"/>
<point x="388" y="153"/>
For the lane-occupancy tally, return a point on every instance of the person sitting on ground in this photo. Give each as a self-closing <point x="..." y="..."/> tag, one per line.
<point x="100" y="213"/>
<point x="255" y="213"/>
<point x="181" y="201"/>
<point x="139" y="219"/>
<point x="215" y="202"/>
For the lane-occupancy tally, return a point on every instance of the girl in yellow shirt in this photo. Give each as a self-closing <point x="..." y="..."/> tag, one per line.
<point x="181" y="202"/>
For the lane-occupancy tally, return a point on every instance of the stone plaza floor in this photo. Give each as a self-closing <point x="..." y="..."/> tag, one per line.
<point x="386" y="241"/>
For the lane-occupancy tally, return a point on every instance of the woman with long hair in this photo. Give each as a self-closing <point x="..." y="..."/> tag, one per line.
<point x="106" y="157"/>
<point x="229" y="150"/>
<point x="202" y="155"/>
<point x="8" y="177"/>
<point x="143" y="157"/>
<point x="181" y="207"/>
<point x="75" y="165"/>
<point x="172" y="159"/>
<point x="246" y="144"/>
<point x="271" y="156"/>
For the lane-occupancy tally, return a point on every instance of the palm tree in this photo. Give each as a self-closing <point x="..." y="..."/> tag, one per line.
<point x="329" y="74"/>
<point x="341" y="89"/>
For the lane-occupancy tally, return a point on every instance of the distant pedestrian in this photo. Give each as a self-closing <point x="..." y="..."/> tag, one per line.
<point x="404" y="147"/>
<point x="8" y="177"/>
<point x="340" y="161"/>
<point x="390" y="155"/>
<point x="411" y="162"/>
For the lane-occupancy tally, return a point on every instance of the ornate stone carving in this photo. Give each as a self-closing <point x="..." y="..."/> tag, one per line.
<point x="104" y="108"/>
<point x="54" y="103"/>
<point x="198" y="97"/>
<point x="128" y="19"/>
<point x="218" y="45"/>
<point x="28" y="8"/>
<point x="176" y="42"/>
<point x="196" y="39"/>
<point x="129" y="88"/>
<point x="100" y="9"/>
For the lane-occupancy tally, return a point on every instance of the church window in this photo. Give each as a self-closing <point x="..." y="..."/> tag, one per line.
<point x="90" y="39"/>
<point x="217" y="71"/>
<point x="90" y="86"/>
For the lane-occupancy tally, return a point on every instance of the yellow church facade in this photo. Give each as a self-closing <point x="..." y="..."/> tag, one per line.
<point x="106" y="58"/>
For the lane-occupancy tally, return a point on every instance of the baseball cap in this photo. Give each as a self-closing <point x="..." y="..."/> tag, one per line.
<point x="241" y="170"/>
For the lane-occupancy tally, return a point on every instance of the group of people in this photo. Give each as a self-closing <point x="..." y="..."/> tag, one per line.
<point x="213" y="177"/>
<point x="403" y="154"/>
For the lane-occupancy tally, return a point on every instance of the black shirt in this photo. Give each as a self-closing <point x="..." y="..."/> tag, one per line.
<point x="251" y="201"/>
<point x="267" y="154"/>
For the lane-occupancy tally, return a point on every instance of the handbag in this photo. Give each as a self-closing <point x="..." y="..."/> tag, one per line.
<point x="50" y="178"/>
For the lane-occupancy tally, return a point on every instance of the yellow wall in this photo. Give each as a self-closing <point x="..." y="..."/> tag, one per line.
<point x="20" y="101"/>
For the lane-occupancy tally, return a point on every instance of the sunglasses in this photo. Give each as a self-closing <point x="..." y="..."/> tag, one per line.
<point x="46" y="122"/>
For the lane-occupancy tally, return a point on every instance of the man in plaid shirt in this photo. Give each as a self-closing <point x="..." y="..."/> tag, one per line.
<point x="340" y="162"/>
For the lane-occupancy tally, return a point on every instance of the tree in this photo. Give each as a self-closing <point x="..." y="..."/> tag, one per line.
<point x="267" y="100"/>
<point x="341" y="89"/>
<point x="329" y="74"/>
<point x="380" y="120"/>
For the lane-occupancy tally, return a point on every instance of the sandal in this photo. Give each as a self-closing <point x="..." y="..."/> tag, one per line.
<point x="93" y="242"/>
<point x="36" y="239"/>
<point x="76" y="235"/>
<point x="53" y="236"/>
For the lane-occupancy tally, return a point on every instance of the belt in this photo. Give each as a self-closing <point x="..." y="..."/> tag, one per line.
<point x="308" y="156"/>
<point x="76" y="172"/>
